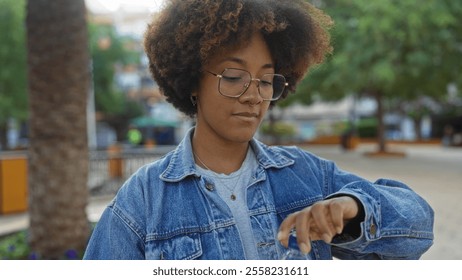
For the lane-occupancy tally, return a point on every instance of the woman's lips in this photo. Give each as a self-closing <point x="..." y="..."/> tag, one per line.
<point x="247" y="116"/>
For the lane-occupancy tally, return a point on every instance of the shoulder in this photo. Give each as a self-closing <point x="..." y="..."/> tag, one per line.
<point x="293" y="152"/>
<point x="287" y="156"/>
<point x="137" y="191"/>
<point x="144" y="177"/>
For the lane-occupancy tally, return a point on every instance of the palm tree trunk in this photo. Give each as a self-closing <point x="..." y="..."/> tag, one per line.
<point x="59" y="79"/>
<point x="418" y="127"/>
<point x="380" y="123"/>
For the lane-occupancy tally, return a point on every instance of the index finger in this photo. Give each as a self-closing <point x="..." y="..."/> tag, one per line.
<point x="285" y="228"/>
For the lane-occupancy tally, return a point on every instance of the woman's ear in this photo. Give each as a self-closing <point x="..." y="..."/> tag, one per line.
<point x="193" y="98"/>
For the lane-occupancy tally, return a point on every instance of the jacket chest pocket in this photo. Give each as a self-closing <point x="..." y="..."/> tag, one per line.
<point x="182" y="247"/>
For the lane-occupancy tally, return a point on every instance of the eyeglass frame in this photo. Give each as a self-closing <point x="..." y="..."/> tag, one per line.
<point x="220" y="76"/>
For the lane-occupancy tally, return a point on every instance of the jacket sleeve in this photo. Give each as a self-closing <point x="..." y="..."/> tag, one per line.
<point x="120" y="232"/>
<point x="398" y="223"/>
<point x="114" y="238"/>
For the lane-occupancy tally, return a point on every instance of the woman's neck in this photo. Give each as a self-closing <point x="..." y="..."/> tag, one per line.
<point x="218" y="156"/>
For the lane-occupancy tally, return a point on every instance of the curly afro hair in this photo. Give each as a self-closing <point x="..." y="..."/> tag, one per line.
<point x="186" y="33"/>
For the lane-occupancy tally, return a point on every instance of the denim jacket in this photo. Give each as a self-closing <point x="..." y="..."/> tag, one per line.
<point x="166" y="210"/>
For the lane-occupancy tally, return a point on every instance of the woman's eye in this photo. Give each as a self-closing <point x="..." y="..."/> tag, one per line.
<point x="266" y="83"/>
<point x="231" y="79"/>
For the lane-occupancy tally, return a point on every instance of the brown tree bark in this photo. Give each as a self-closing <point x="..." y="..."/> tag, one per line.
<point x="59" y="79"/>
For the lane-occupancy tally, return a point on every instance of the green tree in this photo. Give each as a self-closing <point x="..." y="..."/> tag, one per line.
<point x="59" y="83"/>
<point x="13" y="93"/>
<point x="397" y="49"/>
<point x="108" y="50"/>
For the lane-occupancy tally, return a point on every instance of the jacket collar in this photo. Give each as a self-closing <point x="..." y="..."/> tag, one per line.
<point x="182" y="163"/>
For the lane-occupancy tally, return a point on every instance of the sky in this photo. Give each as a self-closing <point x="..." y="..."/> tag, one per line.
<point x="109" y="6"/>
<point x="121" y="9"/>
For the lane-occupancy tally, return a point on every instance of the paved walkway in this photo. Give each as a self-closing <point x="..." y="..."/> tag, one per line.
<point x="433" y="171"/>
<point x="14" y="222"/>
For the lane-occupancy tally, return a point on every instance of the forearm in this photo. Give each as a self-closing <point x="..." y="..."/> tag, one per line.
<point x="397" y="222"/>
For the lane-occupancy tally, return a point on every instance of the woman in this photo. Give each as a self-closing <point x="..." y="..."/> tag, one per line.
<point x="221" y="194"/>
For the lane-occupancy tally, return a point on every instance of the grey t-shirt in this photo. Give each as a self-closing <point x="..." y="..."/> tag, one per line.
<point x="236" y="184"/>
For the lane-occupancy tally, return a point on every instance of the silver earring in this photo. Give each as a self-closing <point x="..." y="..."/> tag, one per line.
<point x="193" y="100"/>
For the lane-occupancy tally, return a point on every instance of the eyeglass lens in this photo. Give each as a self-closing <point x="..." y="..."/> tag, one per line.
<point x="235" y="81"/>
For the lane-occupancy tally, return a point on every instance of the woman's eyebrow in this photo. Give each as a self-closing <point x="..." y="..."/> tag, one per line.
<point x="243" y="62"/>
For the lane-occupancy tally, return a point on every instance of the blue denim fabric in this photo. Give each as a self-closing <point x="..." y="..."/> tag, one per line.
<point x="167" y="211"/>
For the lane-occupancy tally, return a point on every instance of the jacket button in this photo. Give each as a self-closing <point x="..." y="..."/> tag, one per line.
<point x="209" y="187"/>
<point x="373" y="229"/>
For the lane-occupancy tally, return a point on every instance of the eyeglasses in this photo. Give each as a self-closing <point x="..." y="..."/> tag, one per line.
<point x="234" y="82"/>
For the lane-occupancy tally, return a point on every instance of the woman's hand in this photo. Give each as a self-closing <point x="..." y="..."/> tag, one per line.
<point x="320" y="221"/>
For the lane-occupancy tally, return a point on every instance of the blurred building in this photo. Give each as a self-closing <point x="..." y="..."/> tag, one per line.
<point x="332" y="119"/>
<point x="135" y="80"/>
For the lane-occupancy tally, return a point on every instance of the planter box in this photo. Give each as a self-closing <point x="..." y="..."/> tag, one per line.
<point x="13" y="184"/>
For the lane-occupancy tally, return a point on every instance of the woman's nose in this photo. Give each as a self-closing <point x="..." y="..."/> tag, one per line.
<point x="252" y="93"/>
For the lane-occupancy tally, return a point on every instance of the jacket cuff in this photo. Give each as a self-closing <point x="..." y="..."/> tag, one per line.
<point x="364" y="227"/>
